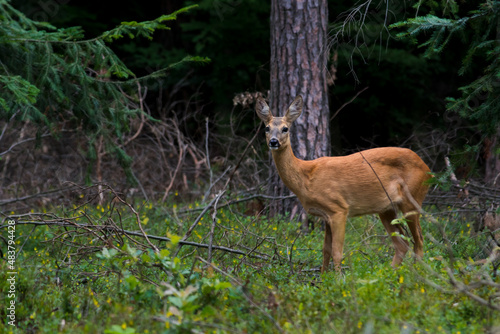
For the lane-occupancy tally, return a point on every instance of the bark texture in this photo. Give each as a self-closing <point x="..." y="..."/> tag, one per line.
<point x="298" y="67"/>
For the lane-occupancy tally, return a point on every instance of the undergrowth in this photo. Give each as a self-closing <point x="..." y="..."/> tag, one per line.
<point x="89" y="279"/>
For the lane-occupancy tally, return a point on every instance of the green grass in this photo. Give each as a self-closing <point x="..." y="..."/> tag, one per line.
<point x="95" y="281"/>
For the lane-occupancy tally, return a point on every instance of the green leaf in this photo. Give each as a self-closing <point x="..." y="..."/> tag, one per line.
<point x="115" y="329"/>
<point x="107" y="253"/>
<point x="174" y="239"/>
<point x="222" y="285"/>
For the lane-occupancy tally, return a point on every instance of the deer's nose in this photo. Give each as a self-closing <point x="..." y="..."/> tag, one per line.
<point x="274" y="143"/>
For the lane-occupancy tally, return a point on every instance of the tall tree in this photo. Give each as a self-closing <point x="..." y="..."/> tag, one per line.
<point x="298" y="67"/>
<point x="480" y="99"/>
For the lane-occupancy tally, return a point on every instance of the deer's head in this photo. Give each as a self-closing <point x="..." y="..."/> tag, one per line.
<point x="278" y="128"/>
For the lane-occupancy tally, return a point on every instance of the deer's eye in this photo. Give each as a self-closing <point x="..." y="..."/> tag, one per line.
<point x="284" y="130"/>
<point x="267" y="129"/>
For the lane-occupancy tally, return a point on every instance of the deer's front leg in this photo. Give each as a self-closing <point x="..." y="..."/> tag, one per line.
<point x="334" y="240"/>
<point x="337" y="224"/>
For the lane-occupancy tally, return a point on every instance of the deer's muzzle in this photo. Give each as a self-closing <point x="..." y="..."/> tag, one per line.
<point x="274" y="144"/>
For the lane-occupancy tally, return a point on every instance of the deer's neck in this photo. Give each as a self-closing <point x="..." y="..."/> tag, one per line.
<point x="290" y="169"/>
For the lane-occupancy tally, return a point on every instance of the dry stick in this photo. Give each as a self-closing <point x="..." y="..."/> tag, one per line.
<point x="191" y="228"/>
<point x="290" y="254"/>
<point x="348" y="102"/>
<point x="100" y="153"/>
<point x="249" y="198"/>
<point x="141" y="106"/>
<point x="459" y="286"/>
<point x="218" y="179"/>
<point x="19" y="199"/>
<point x="243" y="154"/>
<point x="138" y="218"/>
<point x="7" y="123"/>
<point x="18" y="251"/>
<point x="182" y="154"/>
<point x="22" y="142"/>
<point x="117" y="228"/>
<point x="214" y="217"/>
<point x="90" y="228"/>
<point x="250" y="253"/>
<point x="207" y="159"/>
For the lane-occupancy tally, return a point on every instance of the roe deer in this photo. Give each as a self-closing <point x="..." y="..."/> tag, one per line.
<point x="379" y="180"/>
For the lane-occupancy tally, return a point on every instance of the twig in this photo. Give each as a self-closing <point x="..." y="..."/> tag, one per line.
<point x="290" y="254"/>
<point x="182" y="154"/>
<point x="191" y="228"/>
<point x="215" y="182"/>
<point x="22" y="142"/>
<point x="138" y="218"/>
<point x="380" y="181"/>
<point x="14" y="200"/>
<point x="19" y="251"/>
<point x="141" y="105"/>
<point x="243" y="154"/>
<point x="214" y="217"/>
<point x="7" y="123"/>
<point x="347" y="103"/>
<point x="249" y="198"/>
<point x="461" y="287"/>
<point x="207" y="155"/>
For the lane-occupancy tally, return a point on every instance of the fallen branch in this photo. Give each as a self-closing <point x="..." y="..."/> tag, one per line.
<point x="44" y="193"/>
<point x="137" y="234"/>
<point x="236" y="201"/>
<point x="191" y="228"/>
<point x="137" y="217"/>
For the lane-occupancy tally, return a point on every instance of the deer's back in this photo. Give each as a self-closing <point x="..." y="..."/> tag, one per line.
<point x="361" y="182"/>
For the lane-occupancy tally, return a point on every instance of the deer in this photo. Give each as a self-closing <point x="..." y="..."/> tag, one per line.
<point x="375" y="181"/>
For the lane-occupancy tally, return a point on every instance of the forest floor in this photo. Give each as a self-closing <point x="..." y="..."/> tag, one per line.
<point x="105" y="265"/>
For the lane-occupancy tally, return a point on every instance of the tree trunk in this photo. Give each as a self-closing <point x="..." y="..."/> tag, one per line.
<point x="298" y="67"/>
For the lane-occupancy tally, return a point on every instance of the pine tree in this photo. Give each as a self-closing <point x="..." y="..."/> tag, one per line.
<point x="298" y="67"/>
<point x="480" y="99"/>
<point x="57" y="80"/>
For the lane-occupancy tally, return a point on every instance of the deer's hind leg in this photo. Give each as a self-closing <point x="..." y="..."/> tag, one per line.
<point x="400" y="245"/>
<point x="327" y="247"/>
<point x="412" y="216"/>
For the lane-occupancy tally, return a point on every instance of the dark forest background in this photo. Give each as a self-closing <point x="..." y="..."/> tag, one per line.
<point x="405" y="91"/>
<point x="383" y="91"/>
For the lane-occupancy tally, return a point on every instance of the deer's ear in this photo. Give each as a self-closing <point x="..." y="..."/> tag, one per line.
<point x="294" y="110"/>
<point x="263" y="111"/>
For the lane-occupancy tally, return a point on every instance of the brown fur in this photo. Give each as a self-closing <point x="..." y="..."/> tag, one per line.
<point x="375" y="181"/>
